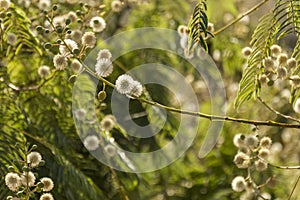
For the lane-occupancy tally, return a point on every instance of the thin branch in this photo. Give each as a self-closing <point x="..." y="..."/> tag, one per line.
<point x="199" y="114"/>
<point x="294" y="188"/>
<point x="222" y="118"/>
<point x="33" y="87"/>
<point x="277" y="112"/>
<point x="240" y="17"/>
<point x="278" y="166"/>
<point x="283" y="167"/>
<point x="122" y="189"/>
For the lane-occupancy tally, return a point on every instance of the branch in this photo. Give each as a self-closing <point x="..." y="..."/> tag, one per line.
<point x="32" y="87"/>
<point x="222" y="118"/>
<point x="199" y="114"/>
<point x="277" y="112"/>
<point x="240" y="17"/>
<point x="282" y="167"/>
<point x="293" y="190"/>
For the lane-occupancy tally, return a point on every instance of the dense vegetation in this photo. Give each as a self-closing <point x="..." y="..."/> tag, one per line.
<point x="69" y="113"/>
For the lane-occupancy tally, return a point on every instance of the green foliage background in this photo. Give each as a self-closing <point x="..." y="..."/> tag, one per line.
<point x="43" y="115"/>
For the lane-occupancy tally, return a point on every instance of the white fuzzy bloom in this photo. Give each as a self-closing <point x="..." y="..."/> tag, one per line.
<point x="48" y="184"/>
<point x="275" y="50"/>
<point x="4" y="4"/>
<point x="11" y="39"/>
<point x="295" y="80"/>
<point x="110" y="150"/>
<point x="136" y="90"/>
<point x="124" y="84"/>
<point x="246" y="51"/>
<point x="116" y="6"/>
<point x="210" y="27"/>
<point x="238" y="184"/>
<point x="108" y="122"/>
<point x="103" y="67"/>
<point x="28" y="178"/>
<point x="241" y="160"/>
<point x="263" y="79"/>
<point x="268" y="63"/>
<point x="44" y="4"/>
<point x="297" y="106"/>
<point x="104" y="53"/>
<point x="91" y="142"/>
<point x="60" y="62"/>
<point x="72" y="16"/>
<point x="184" y="40"/>
<point x="265" y="142"/>
<point x="251" y="140"/>
<point x="67" y="46"/>
<point x="89" y="39"/>
<point x="265" y="196"/>
<point x="80" y="114"/>
<point x="291" y="63"/>
<point x="76" y="66"/>
<point x="34" y="158"/>
<point x="76" y="35"/>
<point x="46" y="196"/>
<point x="282" y="72"/>
<point x="282" y="59"/>
<point x="98" y="24"/>
<point x="264" y="153"/>
<point x="13" y="181"/>
<point x="57" y="21"/>
<point x="182" y="30"/>
<point x="238" y="141"/>
<point x="43" y="71"/>
<point x="260" y="165"/>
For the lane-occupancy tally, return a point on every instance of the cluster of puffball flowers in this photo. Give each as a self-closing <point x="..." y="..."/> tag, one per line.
<point x="125" y="84"/>
<point x="24" y="183"/>
<point x="252" y="153"/>
<point x="278" y="66"/>
<point x="92" y="142"/>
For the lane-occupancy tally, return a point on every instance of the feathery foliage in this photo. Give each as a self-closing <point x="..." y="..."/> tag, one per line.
<point x="283" y="20"/>
<point x="262" y="39"/>
<point x="198" y="26"/>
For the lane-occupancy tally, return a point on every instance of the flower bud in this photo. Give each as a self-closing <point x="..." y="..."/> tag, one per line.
<point x="102" y="95"/>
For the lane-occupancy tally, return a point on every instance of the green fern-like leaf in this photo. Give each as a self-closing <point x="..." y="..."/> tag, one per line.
<point x="283" y="20"/>
<point x="262" y="39"/>
<point x="287" y="14"/>
<point x="26" y="38"/>
<point x="198" y="26"/>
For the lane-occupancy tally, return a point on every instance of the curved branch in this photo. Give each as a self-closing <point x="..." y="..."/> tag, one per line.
<point x="240" y="17"/>
<point x="277" y="112"/>
<point x="199" y="114"/>
<point x="32" y="87"/>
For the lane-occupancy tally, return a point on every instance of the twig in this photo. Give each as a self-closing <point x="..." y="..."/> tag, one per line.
<point x="278" y="166"/>
<point x="240" y="17"/>
<point x="277" y="112"/>
<point x="283" y="167"/>
<point x="199" y="114"/>
<point x="222" y="118"/>
<point x="293" y="190"/>
<point x="33" y="87"/>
